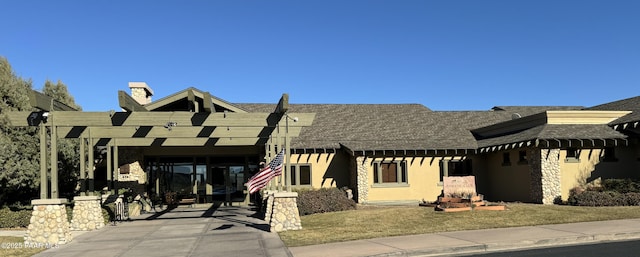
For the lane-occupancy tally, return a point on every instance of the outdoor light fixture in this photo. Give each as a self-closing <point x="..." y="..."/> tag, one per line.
<point x="294" y="119"/>
<point x="35" y="118"/>
<point x="170" y="125"/>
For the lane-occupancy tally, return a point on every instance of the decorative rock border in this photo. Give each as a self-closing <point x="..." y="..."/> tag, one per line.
<point x="49" y="224"/>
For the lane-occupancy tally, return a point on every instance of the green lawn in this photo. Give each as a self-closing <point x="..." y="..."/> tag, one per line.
<point x="14" y="247"/>
<point x="382" y="221"/>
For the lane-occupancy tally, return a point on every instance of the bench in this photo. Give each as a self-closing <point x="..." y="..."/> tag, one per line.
<point x="187" y="201"/>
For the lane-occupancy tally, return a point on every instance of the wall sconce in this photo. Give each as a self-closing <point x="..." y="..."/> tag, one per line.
<point x="170" y="125"/>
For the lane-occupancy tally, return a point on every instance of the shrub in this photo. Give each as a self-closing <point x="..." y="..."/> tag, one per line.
<point x="621" y="185"/>
<point x="632" y="199"/>
<point x="603" y="198"/>
<point x="323" y="200"/>
<point x="14" y="218"/>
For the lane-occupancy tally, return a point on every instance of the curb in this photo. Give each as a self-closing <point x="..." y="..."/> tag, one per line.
<point x="522" y="245"/>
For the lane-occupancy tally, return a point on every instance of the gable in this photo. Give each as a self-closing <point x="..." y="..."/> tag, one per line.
<point x="194" y="100"/>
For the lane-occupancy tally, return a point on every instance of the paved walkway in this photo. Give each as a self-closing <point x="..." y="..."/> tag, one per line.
<point x="184" y="231"/>
<point x="233" y="231"/>
<point x="479" y="241"/>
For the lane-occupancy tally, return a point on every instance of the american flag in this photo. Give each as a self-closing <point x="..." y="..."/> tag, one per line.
<point x="273" y="169"/>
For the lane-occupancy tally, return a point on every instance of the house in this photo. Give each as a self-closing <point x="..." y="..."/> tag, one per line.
<point x="193" y="144"/>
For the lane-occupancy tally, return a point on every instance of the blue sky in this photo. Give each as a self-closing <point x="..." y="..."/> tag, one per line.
<point x="447" y="55"/>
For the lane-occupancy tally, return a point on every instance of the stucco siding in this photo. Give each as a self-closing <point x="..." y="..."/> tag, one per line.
<point x="507" y="182"/>
<point x="327" y="169"/>
<point x="423" y="177"/>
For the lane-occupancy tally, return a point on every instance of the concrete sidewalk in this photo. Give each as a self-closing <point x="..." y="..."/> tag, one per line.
<point x="479" y="241"/>
<point x="233" y="231"/>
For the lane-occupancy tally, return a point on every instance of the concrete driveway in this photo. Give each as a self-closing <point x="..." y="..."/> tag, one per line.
<point x="183" y="231"/>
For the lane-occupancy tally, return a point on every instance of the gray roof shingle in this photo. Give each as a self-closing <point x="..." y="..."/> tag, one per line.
<point x="629" y="104"/>
<point x="555" y="131"/>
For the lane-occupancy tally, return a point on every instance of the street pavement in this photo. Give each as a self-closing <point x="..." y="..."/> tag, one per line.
<point x="236" y="231"/>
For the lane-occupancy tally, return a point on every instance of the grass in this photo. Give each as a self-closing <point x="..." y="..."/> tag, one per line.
<point x="14" y="247"/>
<point x="383" y="221"/>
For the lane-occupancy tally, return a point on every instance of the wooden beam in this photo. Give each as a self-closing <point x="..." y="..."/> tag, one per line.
<point x="162" y="132"/>
<point x="106" y="119"/>
<point x="129" y="104"/>
<point x="47" y="103"/>
<point x="207" y="103"/>
<point x="188" y="141"/>
<point x="283" y="105"/>
<point x="191" y="98"/>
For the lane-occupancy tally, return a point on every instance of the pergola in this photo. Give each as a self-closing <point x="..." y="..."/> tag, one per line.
<point x="135" y="125"/>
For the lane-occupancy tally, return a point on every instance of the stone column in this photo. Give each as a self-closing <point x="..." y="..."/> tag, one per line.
<point x="545" y="176"/>
<point x="49" y="224"/>
<point x="285" y="215"/>
<point x="87" y="213"/>
<point x="362" y="179"/>
<point x="268" y="205"/>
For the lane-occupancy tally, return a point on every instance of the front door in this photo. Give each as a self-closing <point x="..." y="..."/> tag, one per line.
<point x="209" y="179"/>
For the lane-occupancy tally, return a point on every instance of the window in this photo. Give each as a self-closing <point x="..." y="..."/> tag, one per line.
<point x="573" y="155"/>
<point x="506" y="159"/>
<point x="609" y="155"/>
<point x="300" y="175"/>
<point x="390" y="172"/>
<point x="459" y="168"/>
<point x="522" y="157"/>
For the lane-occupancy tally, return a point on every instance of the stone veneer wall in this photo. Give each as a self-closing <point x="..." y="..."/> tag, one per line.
<point x="285" y="215"/>
<point x="140" y="95"/>
<point x="49" y="224"/>
<point x="268" y="205"/>
<point x="362" y="179"/>
<point x="544" y="165"/>
<point x="132" y="156"/>
<point x="87" y="213"/>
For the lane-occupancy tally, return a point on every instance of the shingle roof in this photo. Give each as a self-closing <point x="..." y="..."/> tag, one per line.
<point x="362" y="127"/>
<point x="386" y="126"/>
<point x="555" y="131"/>
<point x="629" y="104"/>
<point x="530" y="110"/>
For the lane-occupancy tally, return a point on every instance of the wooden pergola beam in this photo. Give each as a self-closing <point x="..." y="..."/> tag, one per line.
<point x="47" y="103"/>
<point x="126" y="132"/>
<point x="157" y="142"/>
<point x="129" y="104"/>
<point x="106" y="119"/>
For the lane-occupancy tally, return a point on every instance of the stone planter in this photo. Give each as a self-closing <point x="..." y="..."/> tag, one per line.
<point x="490" y="208"/>
<point x="456" y="209"/>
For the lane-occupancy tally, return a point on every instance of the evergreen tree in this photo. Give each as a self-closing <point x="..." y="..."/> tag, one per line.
<point x="19" y="158"/>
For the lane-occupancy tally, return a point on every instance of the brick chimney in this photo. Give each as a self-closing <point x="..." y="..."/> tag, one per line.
<point x="141" y="92"/>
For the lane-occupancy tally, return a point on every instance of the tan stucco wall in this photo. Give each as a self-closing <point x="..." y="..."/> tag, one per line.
<point x="423" y="177"/>
<point x="591" y="170"/>
<point x="327" y="169"/>
<point x="503" y="183"/>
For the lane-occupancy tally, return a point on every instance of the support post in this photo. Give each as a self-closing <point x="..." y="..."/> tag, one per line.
<point x="44" y="180"/>
<point x="116" y="166"/>
<point x="91" y="168"/>
<point x="83" y="167"/>
<point x="109" y="169"/>
<point x="284" y="215"/>
<point x="49" y="225"/>
<point x="287" y="156"/>
<point x="54" y="159"/>
<point x="87" y="213"/>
